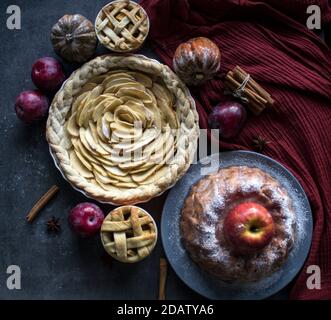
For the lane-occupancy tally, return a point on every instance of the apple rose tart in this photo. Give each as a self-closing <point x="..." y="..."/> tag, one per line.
<point x="123" y="129"/>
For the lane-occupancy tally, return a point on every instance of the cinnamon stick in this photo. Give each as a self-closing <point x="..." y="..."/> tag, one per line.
<point x="241" y="74"/>
<point x="248" y="92"/>
<point x="257" y="98"/>
<point x="41" y="203"/>
<point x="163" y="278"/>
<point x="256" y="103"/>
<point x="252" y="83"/>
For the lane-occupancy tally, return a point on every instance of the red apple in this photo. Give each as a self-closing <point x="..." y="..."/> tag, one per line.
<point x="31" y="106"/>
<point x="249" y="227"/>
<point x="47" y="74"/>
<point x="229" y="117"/>
<point x="86" y="219"/>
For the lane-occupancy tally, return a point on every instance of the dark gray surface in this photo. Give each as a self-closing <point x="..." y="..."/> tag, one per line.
<point x="55" y="266"/>
<point x="208" y="285"/>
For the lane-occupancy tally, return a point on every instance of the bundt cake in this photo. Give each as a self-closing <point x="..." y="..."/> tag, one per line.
<point x="238" y="224"/>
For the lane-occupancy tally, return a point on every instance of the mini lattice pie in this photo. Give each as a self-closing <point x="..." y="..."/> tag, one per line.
<point x="123" y="129"/>
<point x="122" y="26"/>
<point x="128" y="234"/>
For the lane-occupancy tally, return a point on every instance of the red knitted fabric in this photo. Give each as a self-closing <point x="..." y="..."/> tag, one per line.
<point x="269" y="39"/>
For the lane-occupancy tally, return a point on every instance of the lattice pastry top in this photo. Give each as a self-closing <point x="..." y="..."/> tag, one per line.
<point x="122" y="26"/>
<point x="128" y="234"/>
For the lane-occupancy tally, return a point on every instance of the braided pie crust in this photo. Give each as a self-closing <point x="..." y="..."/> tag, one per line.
<point x="92" y="123"/>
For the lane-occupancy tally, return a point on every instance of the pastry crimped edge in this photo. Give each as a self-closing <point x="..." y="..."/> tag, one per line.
<point x="62" y="104"/>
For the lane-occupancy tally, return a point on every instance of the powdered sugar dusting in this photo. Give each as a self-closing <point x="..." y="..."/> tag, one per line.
<point x="246" y="181"/>
<point x="210" y="286"/>
<point x="254" y="183"/>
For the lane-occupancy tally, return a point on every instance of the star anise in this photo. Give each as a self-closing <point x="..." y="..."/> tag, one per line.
<point x="53" y="225"/>
<point x="260" y="143"/>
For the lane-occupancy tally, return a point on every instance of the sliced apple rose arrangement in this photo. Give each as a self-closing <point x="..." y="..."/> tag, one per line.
<point x="123" y="129"/>
<point x="120" y="127"/>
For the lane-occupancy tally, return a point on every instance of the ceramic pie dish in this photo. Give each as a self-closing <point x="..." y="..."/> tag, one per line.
<point x="123" y="129"/>
<point x="203" y="282"/>
<point x="129" y="234"/>
<point x="122" y="26"/>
